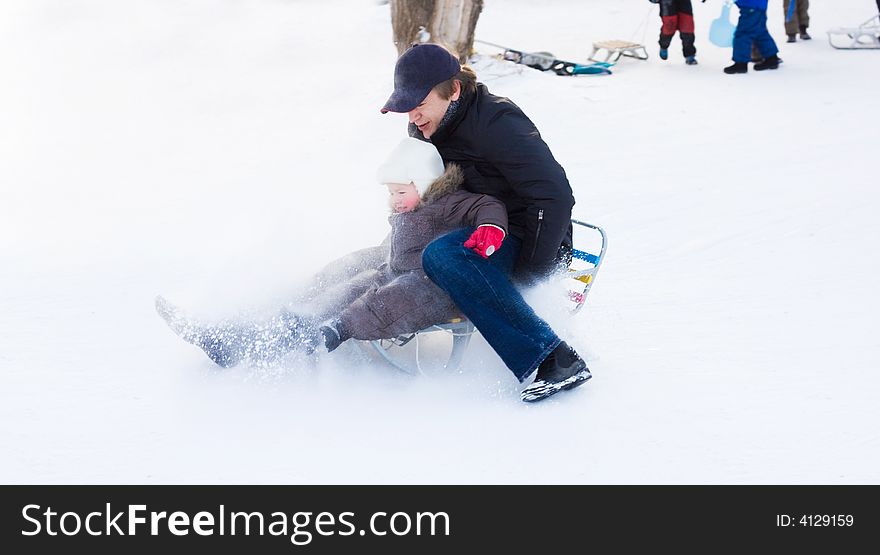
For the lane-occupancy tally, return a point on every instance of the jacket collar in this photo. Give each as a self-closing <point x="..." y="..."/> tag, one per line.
<point x="448" y="128"/>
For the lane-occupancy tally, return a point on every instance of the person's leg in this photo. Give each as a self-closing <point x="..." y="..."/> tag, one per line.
<point x="803" y="9"/>
<point x="342" y="269"/>
<point x="409" y="303"/>
<point x="765" y="42"/>
<point x="482" y="290"/>
<point x="803" y="18"/>
<point x="669" y="17"/>
<point x="745" y="35"/>
<point x="229" y="342"/>
<point x="266" y="341"/>
<point x="686" y="28"/>
<point x="791" y="24"/>
<point x="335" y="297"/>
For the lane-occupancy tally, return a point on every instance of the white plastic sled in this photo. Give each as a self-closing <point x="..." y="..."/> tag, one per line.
<point x="449" y="340"/>
<point x="864" y="37"/>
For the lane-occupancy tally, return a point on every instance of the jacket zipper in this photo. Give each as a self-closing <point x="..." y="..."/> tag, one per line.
<point x="537" y="234"/>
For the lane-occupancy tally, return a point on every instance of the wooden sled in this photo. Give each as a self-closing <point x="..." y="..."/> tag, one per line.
<point x="616" y="49"/>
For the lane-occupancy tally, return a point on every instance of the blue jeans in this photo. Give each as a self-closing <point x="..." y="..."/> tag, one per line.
<point x="482" y="290"/>
<point x="752" y="27"/>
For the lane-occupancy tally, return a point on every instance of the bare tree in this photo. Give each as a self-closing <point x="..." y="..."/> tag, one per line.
<point x="447" y="22"/>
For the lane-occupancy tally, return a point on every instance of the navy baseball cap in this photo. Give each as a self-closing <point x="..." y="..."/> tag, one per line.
<point x="422" y="67"/>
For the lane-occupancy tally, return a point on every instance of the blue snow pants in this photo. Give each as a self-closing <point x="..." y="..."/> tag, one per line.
<point x="752" y="27"/>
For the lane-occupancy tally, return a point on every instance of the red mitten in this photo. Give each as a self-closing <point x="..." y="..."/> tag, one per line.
<point x="485" y="240"/>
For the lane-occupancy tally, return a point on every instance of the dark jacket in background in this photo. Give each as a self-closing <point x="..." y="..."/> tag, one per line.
<point x="502" y="154"/>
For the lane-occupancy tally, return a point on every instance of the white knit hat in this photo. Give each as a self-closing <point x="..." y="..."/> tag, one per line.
<point x="412" y="161"/>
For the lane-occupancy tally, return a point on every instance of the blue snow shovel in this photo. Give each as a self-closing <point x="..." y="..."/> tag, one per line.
<point x="721" y="31"/>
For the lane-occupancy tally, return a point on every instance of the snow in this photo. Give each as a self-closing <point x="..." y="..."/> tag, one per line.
<point x="219" y="152"/>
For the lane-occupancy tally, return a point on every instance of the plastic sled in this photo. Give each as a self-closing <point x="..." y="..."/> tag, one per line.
<point x="449" y="340"/>
<point x="864" y="37"/>
<point x="546" y="61"/>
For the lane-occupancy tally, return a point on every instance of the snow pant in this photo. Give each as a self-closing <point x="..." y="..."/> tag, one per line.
<point x="339" y="271"/>
<point x="677" y="15"/>
<point x="385" y="309"/>
<point x="262" y="341"/>
<point x="482" y="290"/>
<point x="752" y="27"/>
<point x="374" y="304"/>
<point x="377" y="304"/>
<point x="799" y="17"/>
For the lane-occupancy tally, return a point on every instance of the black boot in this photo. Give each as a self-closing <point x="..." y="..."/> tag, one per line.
<point x="562" y="369"/>
<point x="804" y="34"/>
<point x="737" y="67"/>
<point x="792" y="38"/>
<point x="770" y="62"/>
<point x="333" y="334"/>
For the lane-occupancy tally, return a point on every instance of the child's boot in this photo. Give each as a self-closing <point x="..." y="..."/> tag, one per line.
<point x="737" y="67"/>
<point x="333" y="335"/>
<point x="770" y="62"/>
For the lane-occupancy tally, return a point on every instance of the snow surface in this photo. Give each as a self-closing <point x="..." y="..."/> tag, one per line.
<point x="218" y="152"/>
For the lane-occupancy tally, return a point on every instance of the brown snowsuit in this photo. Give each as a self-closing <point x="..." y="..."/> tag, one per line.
<point x="397" y="297"/>
<point x="384" y="302"/>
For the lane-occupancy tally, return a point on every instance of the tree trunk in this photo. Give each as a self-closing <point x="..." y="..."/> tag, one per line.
<point x="447" y="22"/>
<point x="453" y="25"/>
<point x="406" y="18"/>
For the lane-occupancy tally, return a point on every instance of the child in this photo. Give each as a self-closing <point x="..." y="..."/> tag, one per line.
<point x="426" y="201"/>
<point x="752" y="27"/>
<point x="677" y="15"/>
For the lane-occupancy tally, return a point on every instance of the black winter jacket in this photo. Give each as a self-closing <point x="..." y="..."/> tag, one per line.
<point x="502" y="154"/>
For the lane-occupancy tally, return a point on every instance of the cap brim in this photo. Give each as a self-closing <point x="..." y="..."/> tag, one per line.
<point x="402" y="101"/>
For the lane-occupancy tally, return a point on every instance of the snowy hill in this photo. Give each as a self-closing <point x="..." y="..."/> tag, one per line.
<point x="217" y="153"/>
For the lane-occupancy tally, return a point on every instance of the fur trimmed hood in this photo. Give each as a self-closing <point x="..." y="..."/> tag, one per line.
<point x="451" y="181"/>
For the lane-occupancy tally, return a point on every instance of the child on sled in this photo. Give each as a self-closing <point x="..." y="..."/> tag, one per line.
<point x="426" y="201"/>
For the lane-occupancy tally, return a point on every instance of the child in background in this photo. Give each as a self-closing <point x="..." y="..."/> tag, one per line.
<point x="752" y="27"/>
<point x="396" y="298"/>
<point x="677" y="15"/>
